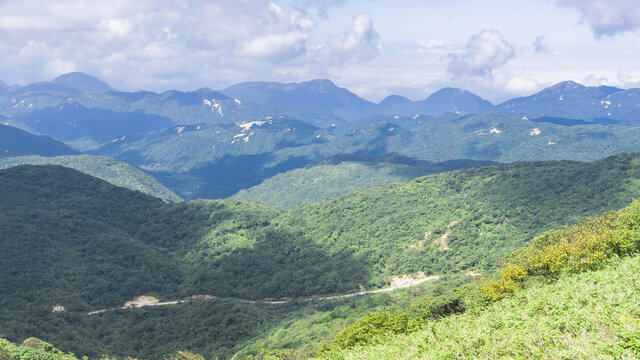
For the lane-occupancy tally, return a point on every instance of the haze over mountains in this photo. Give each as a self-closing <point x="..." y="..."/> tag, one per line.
<point x="212" y="144"/>
<point x="317" y="101"/>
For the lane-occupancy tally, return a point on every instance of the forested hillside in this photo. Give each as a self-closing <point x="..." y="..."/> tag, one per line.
<point x="67" y="222"/>
<point x="342" y="174"/>
<point x="572" y="293"/>
<point x="111" y="170"/>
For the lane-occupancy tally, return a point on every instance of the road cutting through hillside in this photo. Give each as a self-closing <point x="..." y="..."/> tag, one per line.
<point x="397" y="283"/>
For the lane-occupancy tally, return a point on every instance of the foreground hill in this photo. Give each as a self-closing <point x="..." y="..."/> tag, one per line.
<point x="548" y="310"/>
<point x="536" y="306"/>
<point x="113" y="171"/>
<point x="65" y="223"/>
<point x="342" y="174"/>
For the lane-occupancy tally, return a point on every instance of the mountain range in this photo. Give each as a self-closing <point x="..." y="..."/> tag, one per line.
<point x="213" y="144"/>
<point x="317" y="101"/>
<point x="316" y="223"/>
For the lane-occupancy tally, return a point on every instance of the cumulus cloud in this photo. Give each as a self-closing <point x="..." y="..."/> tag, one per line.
<point x="185" y="43"/>
<point x="359" y="43"/>
<point x="608" y="18"/>
<point x="483" y="52"/>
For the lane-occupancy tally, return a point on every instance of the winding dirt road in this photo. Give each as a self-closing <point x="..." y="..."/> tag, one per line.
<point x="405" y="283"/>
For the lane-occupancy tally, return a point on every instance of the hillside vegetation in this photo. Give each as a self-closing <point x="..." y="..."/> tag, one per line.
<point x="462" y="220"/>
<point x="547" y="310"/>
<point x="342" y="174"/>
<point x="111" y="170"/>
<point x="94" y="246"/>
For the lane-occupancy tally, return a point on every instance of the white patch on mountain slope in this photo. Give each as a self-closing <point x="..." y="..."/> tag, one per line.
<point x="214" y="105"/>
<point x="245" y="126"/>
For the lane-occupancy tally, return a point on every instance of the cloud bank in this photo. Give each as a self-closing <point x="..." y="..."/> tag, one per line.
<point x="161" y="44"/>
<point x="483" y="52"/>
<point x="608" y="17"/>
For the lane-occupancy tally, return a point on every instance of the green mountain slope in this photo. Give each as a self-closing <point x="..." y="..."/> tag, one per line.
<point x="342" y="174"/>
<point x="218" y="160"/>
<point x="546" y="311"/>
<point x="592" y="315"/>
<point x="92" y="245"/>
<point x="507" y="138"/>
<point x="113" y="171"/>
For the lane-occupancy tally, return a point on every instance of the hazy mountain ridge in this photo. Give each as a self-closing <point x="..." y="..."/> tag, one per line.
<point x="319" y="101"/>
<point x="14" y="141"/>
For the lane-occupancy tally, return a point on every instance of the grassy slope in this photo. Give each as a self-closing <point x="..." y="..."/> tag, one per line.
<point x="113" y="171"/>
<point x="579" y="317"/>
<point x="340" y="175"/>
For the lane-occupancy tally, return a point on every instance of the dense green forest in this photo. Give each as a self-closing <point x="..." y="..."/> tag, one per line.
<point x="111" y="170"/>
<point x="342" y="174"/>
<point x="571" y="293"/>
<point x="93" y="245"/>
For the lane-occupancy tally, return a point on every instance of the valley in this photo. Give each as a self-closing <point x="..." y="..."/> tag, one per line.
<point x="319" y="224"/>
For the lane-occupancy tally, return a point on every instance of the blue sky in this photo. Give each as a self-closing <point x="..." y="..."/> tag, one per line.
<point x="497" y="49"/>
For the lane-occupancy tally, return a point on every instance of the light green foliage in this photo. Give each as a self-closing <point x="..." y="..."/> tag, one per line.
<point x="584" y="316"/>
<point x="32" y="349"/>
<point x="184" y="355"/>
<point x="582" y="247"/>
<point x="372" y="326"/>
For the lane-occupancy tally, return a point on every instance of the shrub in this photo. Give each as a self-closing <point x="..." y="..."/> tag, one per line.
<point x="367" y="329"/>
<point x="583" y="247"/>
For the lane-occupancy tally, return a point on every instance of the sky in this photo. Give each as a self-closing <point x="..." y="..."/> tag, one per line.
<point x="496" y="49"/>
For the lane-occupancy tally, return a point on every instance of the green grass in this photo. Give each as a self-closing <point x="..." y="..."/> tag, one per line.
<point x="586" y="316"/>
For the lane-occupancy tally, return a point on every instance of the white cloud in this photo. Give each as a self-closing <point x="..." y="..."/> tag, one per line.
<point x="483" y="52"/>
<point x="323" y="6"/>
<point x="359" y="43"/>
<point x="147" y="43"/>
<point x="608" y="17"/>
<point x="59" y="66"/>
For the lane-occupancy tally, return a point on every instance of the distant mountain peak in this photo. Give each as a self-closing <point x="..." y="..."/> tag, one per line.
<point x="396" y="100"/>
<point x="83" y="82"/>
<point x="565" y="86"/>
